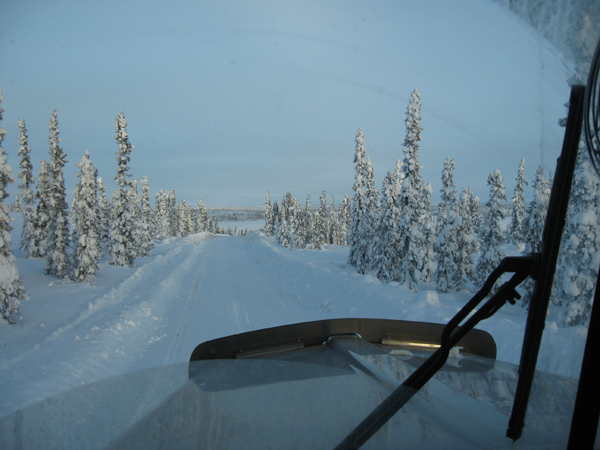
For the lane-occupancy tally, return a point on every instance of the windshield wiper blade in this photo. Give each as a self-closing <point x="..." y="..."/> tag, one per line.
<point x="522" y="267"/>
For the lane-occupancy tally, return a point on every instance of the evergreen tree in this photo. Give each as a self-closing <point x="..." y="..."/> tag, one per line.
<point x="491" y="232"/>
<point x="134" y="205"/>
<point x="334" y="224"/>
<point x="57" y="258"/>
<point x="298" y="225"/>
<point x="27" y="196"/>
<point x="449" y="225"/>
<point x="11" y="287"/>
<point x="359" y="206"/>
<point x="268" y="216"/>
<point x="447" y="195"/>
<point x="320" y="224"/>
<point x="276" y="218"/>
<point x="533" y="225"/>
<point x="146" y="223"/>
<point x="42" y="213"/>
<point x="202" y="216"/>
<point x="346" y="219"/>
<point x="181" y="222"/>
<point x="308" y="223"/>
<point x="85" y="223"/>
<point x="387" y="258"/>
<point x="579" y="255"/>
<point x="476" y="211"/>
<point x="103" y="219"/>
<point x="368" y="225"/>
<point x="416" y="228"/>
<point x="467" y="241"/>
<point x="173" y="219"/>
<point x="163" y="225"/>
<point x="123" y="217"/>
<point x="515" y="229"/>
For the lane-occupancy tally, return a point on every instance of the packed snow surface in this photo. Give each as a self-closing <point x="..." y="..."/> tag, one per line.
<point x="206" y="286"/>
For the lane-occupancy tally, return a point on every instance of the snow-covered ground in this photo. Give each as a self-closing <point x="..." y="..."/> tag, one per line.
<point x="202" y="287"/>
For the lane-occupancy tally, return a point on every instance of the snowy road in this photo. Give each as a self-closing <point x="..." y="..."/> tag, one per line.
<point x="193" y="289"/>
<point x="203" y="287"/>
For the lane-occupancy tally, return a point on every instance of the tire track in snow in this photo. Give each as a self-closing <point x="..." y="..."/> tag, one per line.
<point x="110" y="336"/>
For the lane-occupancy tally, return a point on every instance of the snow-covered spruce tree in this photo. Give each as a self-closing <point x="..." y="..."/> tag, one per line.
<point x="320" y="224"/>
<point x="11" y="287"/>
<point x="134" y="205"/>
<point x="533" y="225"/>
<point x="416" y="228"/>
<point x="190" y="219"/>
<point x="268" y="216"/>
<point x="346" y="219"/>
<point x="282" y="233"/>
<point x="103" y="219"/>
<point x="58" y="261"/>
<point x="173" y="219"/>
<point x="27" y="197"/>
<point x="579" y="257"/>
<point x="467" y="241"/>
<point x="447" y="195"/>
<point x="85" y="223"/>
<point x="276" y="218"/>
<point x="359" y="202"/>
<point x="515" y="229"/>
<point x="298" y="236"/>
<point x="202" y="216"/>
<point x="162" y="215"/>
<point x="491" y="233"/>
<point x="146" y="223"/>
<point x="42" y="213"/>
<point x="476" y="211"/>
<point x="308" y="223"/>
<point x="449" y="226"/>
<point x="123" y="214"/>
<point x="335" y="224"/>
<point x="180" y="210"/>
<point x="387" y="258"/>
<point x="369" y="224"/>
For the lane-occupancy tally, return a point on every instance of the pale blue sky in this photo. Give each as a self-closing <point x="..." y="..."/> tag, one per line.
<point x="227" y="100"/>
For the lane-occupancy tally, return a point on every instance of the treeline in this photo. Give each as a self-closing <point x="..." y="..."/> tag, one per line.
<point x="73" y="240"/>
<point x="294" y="226"/>
<point x="392" y="233"/>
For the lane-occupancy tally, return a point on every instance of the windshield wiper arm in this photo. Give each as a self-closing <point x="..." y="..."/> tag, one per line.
<point x="522" y="267"/>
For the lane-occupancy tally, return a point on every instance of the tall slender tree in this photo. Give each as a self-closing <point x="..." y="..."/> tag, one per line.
<point x="104" y="211"/>
<point x="146" y="222"/>
<point x="515" y="229"/>
<point x="202" y="216"/>
<point x="533" y="225"/>
<point x="491" y="231"/>
<point x="42" y="213"/>
<point x="416" y="228"/>
<point x="85" y="222"/>
<point x="268" y="216"/>
<point x="449" y="226"/>
<point x="359" y="202"/>
<point x="58" y="261"/>
<point x="27" y="196"/>
<point x="11" y="287"/>
<point x="123" y="217"/>
<point x="308" y="223"/>
<point x="387" y="258"/>
<point x="467" y="242"/>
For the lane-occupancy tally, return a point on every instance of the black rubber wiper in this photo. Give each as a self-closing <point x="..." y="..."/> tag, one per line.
<point x="522" y="267"/>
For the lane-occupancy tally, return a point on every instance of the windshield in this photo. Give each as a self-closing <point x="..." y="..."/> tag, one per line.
<point x="179" y="173"/>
